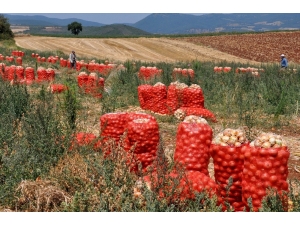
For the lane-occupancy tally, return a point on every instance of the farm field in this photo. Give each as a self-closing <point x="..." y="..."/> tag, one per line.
<point x="267" y="101"/>
<point x="118" y="49"/>
<point x="263" y="47"/>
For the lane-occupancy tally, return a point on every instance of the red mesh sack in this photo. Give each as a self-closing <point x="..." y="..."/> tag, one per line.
<point x="227" y="151"/>
<point x="193" y="96"/>
<point x="58" y="88"/>
<point x="50" y="74"/>
<point x="193" y="140"/>
<point x="143" y="136"/>
<point x="29" y="74"/>
<point x="91" y="67"/>
<point x="10" y="72"/>
<point x="42" y="74"/>
<point x="82" y="79"/>
<point x="63" y="62"/>
<point x="113" y="126"/>
<point x="79" y="65"/>
<point x="53" y="60"/>
<point x="159" y="99"/>
<point x="91" y="84"/>
<point x="153" y="98"/>
<point x="265" y="166"/>
<point x="19" y="61"/>
<point x="19" y="73"/>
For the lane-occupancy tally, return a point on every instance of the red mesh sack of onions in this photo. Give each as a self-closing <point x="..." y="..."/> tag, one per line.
<point x="193" y="96"/>
<point x="58" y="88"/>
<point x="174" y="95"/>
<point x="153" y="98"/>
<point x="265" y="167"/>
<point x="9" y="73"/>
<point x="193" y="140"/>
<point x="20" y="73"/>
<point x="159" y="99"/>
<point x="42" y="74"/>
<point x="227" y="151"/>
<point x="19" y="61"/>
<point x="143" y="139"/>
<point x="113" y="126"/>
<point x="50" y="74"/>
<point x="29" y="75"/>
<point x="82" y="79"/>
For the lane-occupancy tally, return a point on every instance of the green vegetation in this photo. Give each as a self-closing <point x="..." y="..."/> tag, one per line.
<point x="39" y="172"/>
<point x="75" y="27"/>
<point x="5" y="31"/>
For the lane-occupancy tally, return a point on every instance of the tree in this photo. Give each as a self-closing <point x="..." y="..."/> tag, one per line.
<point x="75" y="27"/>
<point x="5" y="31"/>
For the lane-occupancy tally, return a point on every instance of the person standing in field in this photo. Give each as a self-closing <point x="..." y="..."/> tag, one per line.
<point x="72" y="59"/>
<point x="284" y="62"/>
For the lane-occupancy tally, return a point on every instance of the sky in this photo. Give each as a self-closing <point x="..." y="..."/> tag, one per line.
<point x="131" y="11"/>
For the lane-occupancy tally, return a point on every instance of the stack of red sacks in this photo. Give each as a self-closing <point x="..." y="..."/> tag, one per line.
<point x="183" y="72"/>
<point x="142" y="137"/>
<point x="91" y="84"/>
<point x="177" y="99"/>
<point x="149" y="72"/>
<point x="218" y="69"/>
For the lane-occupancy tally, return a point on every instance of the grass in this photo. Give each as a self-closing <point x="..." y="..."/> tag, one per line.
<point x="36" y="130"/>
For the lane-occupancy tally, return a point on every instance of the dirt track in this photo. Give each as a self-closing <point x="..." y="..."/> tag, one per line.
<point x="122" y="49"/>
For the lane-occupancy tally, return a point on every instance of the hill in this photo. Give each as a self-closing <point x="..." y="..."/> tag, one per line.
<point x="114" y="30"/>
<point x="35" y="20"/>
<point x="174" y="23"/>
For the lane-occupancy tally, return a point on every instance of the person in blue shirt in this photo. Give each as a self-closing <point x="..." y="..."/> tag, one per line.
<point x="284" y="62"/>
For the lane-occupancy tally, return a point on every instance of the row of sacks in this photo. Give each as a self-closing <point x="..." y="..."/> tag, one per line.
<point x="17" y="53"/>
<point x="91" y="84"/>
<point x="149" y="72"/>
<point x="178" y="99"/>
<point x="26" y="75"/>
<point x="183" y="72"/>
<point x="18" y="60"/>
<point x="103" y="69"/>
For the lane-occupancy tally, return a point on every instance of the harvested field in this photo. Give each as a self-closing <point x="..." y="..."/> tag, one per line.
<point x="122" y="49"/>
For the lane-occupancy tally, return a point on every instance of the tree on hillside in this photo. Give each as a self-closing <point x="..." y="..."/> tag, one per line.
<point x="75" y="27"/>
<point x="5" y="31"/>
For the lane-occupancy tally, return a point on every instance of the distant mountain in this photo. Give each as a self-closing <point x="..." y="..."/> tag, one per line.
<point x="171" y="23"/>
<point x="175" y="23"/>
<point x="20" y="20"/>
